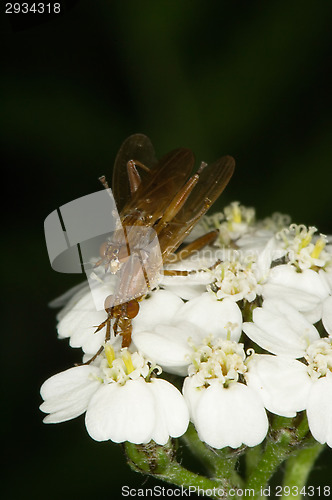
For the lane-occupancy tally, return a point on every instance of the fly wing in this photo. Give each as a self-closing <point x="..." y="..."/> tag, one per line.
<point x="212" y="181"/>
<point x="162" y="183"/>
<point x="136" y="147"/>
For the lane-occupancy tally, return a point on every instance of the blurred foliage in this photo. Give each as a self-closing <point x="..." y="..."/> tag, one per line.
<point x="250" y="79"/>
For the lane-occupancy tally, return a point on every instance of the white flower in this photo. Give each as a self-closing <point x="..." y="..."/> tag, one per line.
<point x="275" y="223"/>
<point x="303" y="249"/>
<point x="235" y="280"/>
<point x="300" y="281"/>
<point x="241" y="275"/>
<point x="285" y="384"/>
<point x="123" y="402"/>
<point x="225" y="411"/>
<point x="163" y="336"/>
<point x="238" y="227"/>
<point x="137" y="412"/>
<point x="238" y="221"/>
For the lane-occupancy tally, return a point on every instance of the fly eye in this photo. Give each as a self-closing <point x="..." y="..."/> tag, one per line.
<point x="132" y="309"/>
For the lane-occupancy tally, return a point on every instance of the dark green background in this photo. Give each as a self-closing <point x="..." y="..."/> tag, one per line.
<point x="246" y="78"/>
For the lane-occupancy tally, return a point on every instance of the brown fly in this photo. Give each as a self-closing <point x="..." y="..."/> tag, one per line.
<point x="162" y="195"/>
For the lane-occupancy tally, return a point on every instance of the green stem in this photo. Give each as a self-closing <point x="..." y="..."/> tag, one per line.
<point x="275" y="452"/>
<point x="288" y="439"/>
<point x="199" y="450"/>
<point x="218" y="463"/>
<point x="194" y="483"/>
<point x="302" y="427"/>
<point x="298" y="468"/>
<point x="252" y="458"/>
<point x="160" y="462"/>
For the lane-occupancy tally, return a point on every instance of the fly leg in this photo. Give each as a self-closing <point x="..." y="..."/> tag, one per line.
<point x="178" y="272"/>
<point x="179" y="200"/>
<point x="106" y="323"/>
<point x="133" y="175"/>
<point x="194" y="246"/>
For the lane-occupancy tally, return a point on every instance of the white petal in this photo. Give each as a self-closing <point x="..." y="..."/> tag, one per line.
<point x="280" y="329"/>
<point x="168" y="345"/>
<point x="329" y="275"/>
<point x="69" y="298"/>
<point x="80" y="323"/>
<point x="191" y="395"/>
<point x="196" y="278"/>
<point x="172" y="415"/>
<point x="73" y="411"/>
<point x="282" y="383"/>
<point x="186" y="291"/>
<point x="227" y="417"/>
<point x="325" y="275"/>
<point x="263" y="263"/>
<point x="314" y="315"/>
<point x="256" y="242"/>
<point x="270" y="343"/>
<point x="158" y="308"/>
<point x="122" y="413"/>
<point x="301" y="290"/>
<point x="327" y="315"/>
<point x="297" y="322"/>
<point x="213" y="316"/>
<point x="302" y="301"/>
<point x="92" y="342"/>
<point x="319" y="410"/>
<point x="68" y="393"/>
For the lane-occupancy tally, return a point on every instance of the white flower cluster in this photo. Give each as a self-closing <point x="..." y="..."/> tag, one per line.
<point x="265" y="285"/>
